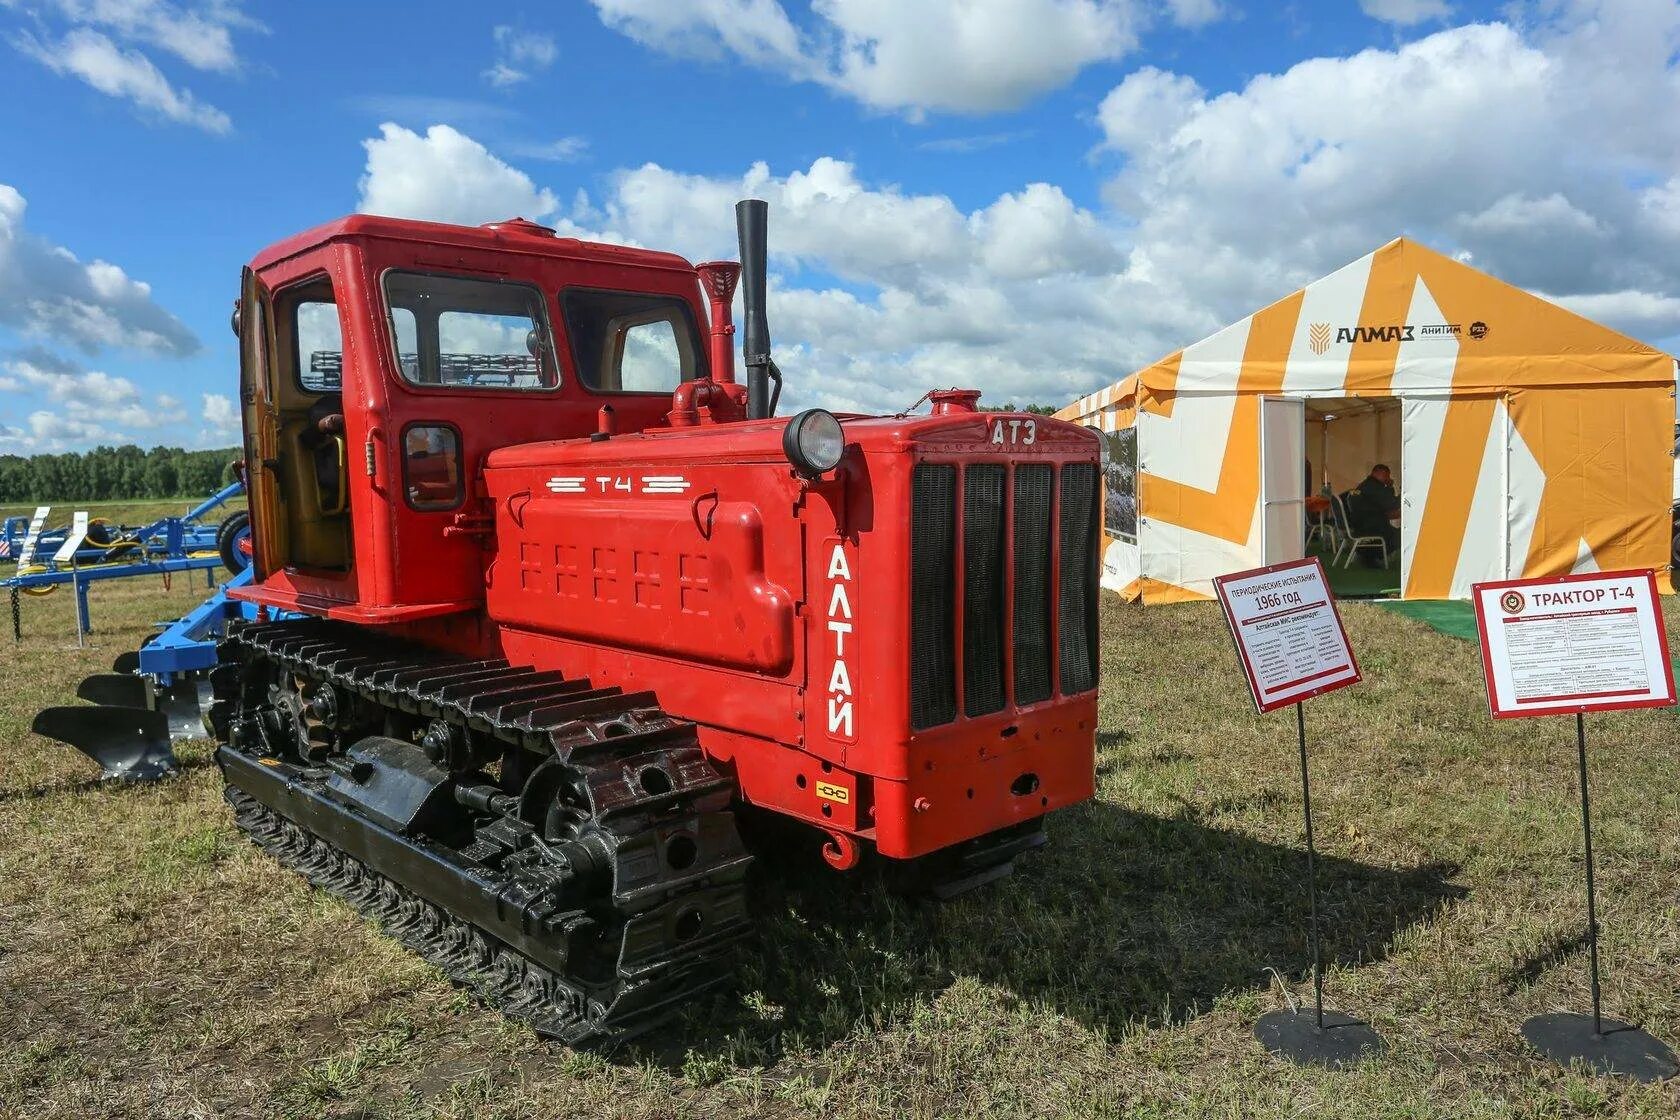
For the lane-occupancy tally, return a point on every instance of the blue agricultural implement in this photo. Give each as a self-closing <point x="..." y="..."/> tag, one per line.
<point x="101" y="551"/>
<point x="152" y="696"/>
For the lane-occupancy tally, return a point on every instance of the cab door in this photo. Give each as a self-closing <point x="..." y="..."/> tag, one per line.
<point x="261" y="417"/>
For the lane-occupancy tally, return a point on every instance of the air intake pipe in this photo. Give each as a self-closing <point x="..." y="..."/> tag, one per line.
<point x="751" y="216"/>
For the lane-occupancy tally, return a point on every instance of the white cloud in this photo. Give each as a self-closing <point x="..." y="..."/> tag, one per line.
<point x="1039" y="232"/>
<point x="757" y="31"/>
<point x="1199" y="13"/>
<point x="1027" y="296"/>
<point x="45" y="291"/>
<point x="1022" y="295"/>
<point x="566" y="149"/>
<point x="1646" y="314"/>
<point x="1218" y="203"/>
<point x="201" y="37"/>
<point x="1404" y="13"/>
<point x="1517" y="213"/>
<point x="221" y="419"/>
<point x="1147" y="108"/>
<point x="51" y="432"/>
<point x="1523" y="149"/>
<point x="444" y="176"/>
<point x="971" y="55"/>
<point x="100" y="41"/>
<point x="966" y="56"/>
<point x="126" y="74"/>
<point x="518" y="54"/>
<point x="964" y="145"/>
<point x="92" y="406"/>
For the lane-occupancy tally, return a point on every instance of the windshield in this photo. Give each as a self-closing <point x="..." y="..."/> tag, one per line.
<point x="469" y="333"/>
<point x="631" y="342"/>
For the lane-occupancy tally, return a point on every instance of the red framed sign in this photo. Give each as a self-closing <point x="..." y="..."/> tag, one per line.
<point x="1288" y="632"/>
<point x="1585" y="643"/>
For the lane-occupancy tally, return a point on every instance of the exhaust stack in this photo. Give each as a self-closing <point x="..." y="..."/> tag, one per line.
<point x="750" y="223"/>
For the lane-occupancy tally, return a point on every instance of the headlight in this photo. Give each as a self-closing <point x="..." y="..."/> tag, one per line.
<point x="812" y="441"/>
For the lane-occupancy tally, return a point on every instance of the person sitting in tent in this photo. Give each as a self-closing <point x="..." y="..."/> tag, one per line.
<point x="1371" y="509"/>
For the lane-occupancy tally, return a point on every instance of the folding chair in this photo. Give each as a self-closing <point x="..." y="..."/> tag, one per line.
<point x="1320" y="528"/>
<point x="1351" y="542"/>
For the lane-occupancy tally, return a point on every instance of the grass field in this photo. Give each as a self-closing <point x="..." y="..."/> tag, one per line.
<point x="154" y="964"/>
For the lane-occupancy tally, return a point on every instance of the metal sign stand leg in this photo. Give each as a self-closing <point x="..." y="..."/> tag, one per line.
<point x="80" y="590"/>
<point x="1326" y="1038"/>
<point x="1605" y="1045"/>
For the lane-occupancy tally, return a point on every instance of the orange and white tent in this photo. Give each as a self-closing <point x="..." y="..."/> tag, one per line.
<point x="1525" y="440"/>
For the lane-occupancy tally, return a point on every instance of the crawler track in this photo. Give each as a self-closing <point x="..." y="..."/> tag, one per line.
<point x="584" y="875"/>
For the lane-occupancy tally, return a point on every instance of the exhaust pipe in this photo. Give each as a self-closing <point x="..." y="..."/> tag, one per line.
<point x="751" y="220"/>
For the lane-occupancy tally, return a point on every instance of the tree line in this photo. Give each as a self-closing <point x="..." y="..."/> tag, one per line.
<point x="1035" y="409"/>
<point x="121" y="473"/>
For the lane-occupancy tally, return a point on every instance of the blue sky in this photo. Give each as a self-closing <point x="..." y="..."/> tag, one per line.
<point x="1033" y="196"/>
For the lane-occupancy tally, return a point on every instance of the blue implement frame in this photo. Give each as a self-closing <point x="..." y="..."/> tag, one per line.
<point x="188" y="645"/>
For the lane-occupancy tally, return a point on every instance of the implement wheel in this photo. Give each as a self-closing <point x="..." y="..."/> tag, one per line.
<point x="233" y="541"/>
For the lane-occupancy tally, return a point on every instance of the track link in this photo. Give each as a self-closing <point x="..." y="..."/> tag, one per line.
<point x="590" y="938"/>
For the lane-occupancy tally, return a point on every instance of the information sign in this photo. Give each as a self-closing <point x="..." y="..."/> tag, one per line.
<point x="1288" y="632"/>
<point x="1581" y="643"/>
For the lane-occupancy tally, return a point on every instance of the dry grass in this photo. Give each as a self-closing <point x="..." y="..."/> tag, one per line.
<point x="153" y="964"/>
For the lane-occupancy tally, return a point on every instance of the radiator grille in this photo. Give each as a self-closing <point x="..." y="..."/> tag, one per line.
<point x="1033" y="484"/>
<point x="933" y="593"/>
<point x="1077" y="603"/>
<point x="983" y="588"/>
<point x="1015" y="529"/>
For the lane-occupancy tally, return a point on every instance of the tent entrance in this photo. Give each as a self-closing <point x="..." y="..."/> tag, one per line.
<point x="1283" y="515"/>
<point x="1345" y="438"/>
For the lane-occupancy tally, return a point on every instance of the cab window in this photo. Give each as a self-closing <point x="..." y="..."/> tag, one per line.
<point x="432" y="466"/>
<point x="461" y="333"/>
<point x="630" y="342"/>
<point x="320" y="345"/>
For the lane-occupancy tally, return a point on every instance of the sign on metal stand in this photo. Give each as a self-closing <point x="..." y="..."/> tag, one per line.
<point x="1573" y="645"/>
<point x="67" y="555"/>
<point x="1292" y="646"/>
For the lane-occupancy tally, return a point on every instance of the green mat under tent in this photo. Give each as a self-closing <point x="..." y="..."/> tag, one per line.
<point x="1357" y="581"/>
<point x="1449" y="616"/>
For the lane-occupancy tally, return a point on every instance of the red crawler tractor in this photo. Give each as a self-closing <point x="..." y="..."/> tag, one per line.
<point x="554" y="596"/>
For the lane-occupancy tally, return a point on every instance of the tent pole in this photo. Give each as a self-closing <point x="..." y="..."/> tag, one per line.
<point x="1324" y="451"/>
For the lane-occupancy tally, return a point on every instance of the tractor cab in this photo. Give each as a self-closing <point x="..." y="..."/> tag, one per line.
<point x="382" y="360"/>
